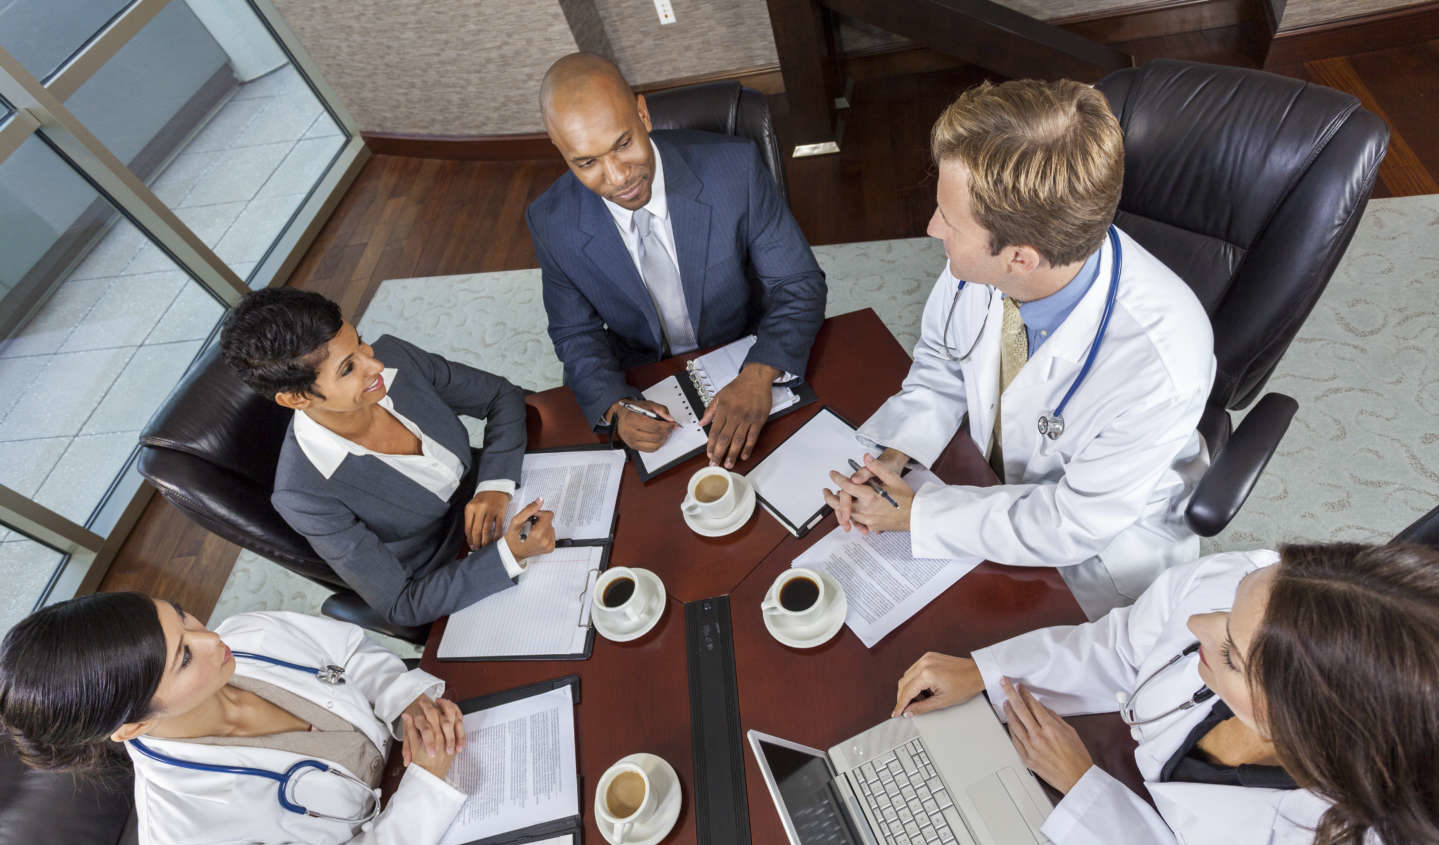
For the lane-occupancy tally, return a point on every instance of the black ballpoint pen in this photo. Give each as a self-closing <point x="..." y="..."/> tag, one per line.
<point x="525" y="529"/>
<point x="873" y="485"/>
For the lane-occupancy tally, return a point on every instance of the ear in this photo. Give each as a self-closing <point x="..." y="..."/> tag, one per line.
<point x="293" y="401"/>
<point x="644" y="112"/>
<point x="1022" y="259"/>
<point x="130" y="730"/>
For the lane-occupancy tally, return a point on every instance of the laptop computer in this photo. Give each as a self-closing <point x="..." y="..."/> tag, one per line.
<point x="946" y="777"/>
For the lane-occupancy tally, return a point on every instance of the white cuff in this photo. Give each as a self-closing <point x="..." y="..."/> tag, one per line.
<point x="513" y="567"/>
<point x="496" y="485"/>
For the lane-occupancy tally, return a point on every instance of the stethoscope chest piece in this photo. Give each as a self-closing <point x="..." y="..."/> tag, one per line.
<point x="1051" y="426"/>
<point x="331" y="674"/>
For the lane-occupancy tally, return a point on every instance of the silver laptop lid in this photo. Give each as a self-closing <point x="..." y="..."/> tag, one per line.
<point x="803" y="787"/>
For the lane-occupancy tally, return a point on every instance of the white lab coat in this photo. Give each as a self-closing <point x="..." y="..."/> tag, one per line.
<point x="1115" y="484"/>
<point x="177" y="805"/>
<point x="1080" y="669"/>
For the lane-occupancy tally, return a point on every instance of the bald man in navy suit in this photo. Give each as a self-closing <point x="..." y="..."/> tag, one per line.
<point x="658" y="243"/>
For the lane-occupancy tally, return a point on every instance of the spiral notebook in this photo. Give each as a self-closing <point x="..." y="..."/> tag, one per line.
<point x="687" y="394"/>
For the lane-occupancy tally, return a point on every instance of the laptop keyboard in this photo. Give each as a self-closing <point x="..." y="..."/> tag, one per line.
<point x="907" y="798"/>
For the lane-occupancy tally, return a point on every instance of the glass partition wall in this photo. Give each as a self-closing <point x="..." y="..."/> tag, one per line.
<point x="158" y="158"/>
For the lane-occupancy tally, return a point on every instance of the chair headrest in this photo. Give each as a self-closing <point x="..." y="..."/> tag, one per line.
<point x="1197" y="136"/>
<point x="217" y="418"/>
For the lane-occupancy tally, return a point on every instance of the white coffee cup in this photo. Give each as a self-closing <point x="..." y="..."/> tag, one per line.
<point x="797" y="596"/>
<point x="711" y="494"/>
<point x="622" y="597"/>
<point x="624" y="800"/>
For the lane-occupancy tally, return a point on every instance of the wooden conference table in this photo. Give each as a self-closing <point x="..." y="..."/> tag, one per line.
<point x="635" y="696"/>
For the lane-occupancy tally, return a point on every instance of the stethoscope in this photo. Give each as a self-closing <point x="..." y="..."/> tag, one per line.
<point x="330" y="674"/>
<point x="1051" y="425"/>
<point x="1127" y="711"/>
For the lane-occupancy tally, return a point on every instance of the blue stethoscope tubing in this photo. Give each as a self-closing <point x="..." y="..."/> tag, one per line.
<point x="1130" y="715"/>
<point x="1051" y="425"/>
<point x="330" y="674"/>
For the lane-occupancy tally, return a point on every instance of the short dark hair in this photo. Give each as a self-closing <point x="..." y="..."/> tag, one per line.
<point x="271" y="337"/>
<point x="73" y="673"/>
<point x="1345" y="664"/>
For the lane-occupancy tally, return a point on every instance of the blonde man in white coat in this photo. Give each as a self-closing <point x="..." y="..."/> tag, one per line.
<point x="1029" y="179"/>
<point x="79" y="678"/>
<point x="1276" y="699"/>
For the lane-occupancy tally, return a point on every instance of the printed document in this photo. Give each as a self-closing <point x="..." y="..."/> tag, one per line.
<point x="518" y="767"/>
<point x="580" y="486"/>
<point x="546" y="613"/>
<point x="882" y="582"/>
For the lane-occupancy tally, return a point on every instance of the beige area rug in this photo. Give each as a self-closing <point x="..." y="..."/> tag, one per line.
<point x="1359" y="462"/>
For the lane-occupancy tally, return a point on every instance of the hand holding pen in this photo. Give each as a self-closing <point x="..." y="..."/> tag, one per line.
<point x="874" y="484"/>
<point x="531" y="531"/>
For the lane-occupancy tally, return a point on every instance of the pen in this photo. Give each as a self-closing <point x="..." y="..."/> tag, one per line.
<point x="636" y="409"/>
<point x="525" y="529"/>
<point x="873" y="485"/>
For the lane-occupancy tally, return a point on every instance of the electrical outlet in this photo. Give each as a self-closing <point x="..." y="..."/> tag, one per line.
<point x="666" y="11"/>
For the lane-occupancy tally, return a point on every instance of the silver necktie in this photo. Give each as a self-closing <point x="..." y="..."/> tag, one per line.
<point x="662" y="279"/>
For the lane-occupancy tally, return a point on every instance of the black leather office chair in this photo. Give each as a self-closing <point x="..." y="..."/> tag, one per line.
<point x="1424" y="530"/>
<point x="57" y="808"/>
<point x="211" y="451"/>
<point x="1249" y="186"/>
<point x="724" y="107"/>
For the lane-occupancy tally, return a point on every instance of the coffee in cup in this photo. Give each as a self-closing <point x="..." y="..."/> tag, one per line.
<point x="711" y="495"/>
<point x="625" y="800"/>
<point x="797" y="596"/>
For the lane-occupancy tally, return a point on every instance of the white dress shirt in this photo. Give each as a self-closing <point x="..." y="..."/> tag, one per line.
<point x="436" y="468"/>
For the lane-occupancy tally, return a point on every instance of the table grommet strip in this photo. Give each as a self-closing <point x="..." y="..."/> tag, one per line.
<point x="720" y="802"/>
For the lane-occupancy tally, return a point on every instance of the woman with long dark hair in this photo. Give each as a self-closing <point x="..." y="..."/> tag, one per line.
<point x="1275" y="698"/>
<point x="202" y="724"/>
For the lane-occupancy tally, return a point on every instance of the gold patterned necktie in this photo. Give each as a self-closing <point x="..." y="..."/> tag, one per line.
<point x="1013" y="352"/>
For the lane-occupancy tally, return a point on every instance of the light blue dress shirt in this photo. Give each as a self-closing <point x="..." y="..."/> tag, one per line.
<point x="1042" y="316"/>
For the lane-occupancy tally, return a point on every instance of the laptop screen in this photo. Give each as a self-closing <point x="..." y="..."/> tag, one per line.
<point x="808" y="795"/>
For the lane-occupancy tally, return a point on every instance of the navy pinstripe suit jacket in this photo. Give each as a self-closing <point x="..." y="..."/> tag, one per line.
<point x="743" y="261"/>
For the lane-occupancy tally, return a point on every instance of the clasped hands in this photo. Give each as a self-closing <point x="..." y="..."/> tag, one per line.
<point x="735" y="417"/>
<point x="434" y="734"/>
<point x="1047" y="744"/>
<point x="857" y="505"/>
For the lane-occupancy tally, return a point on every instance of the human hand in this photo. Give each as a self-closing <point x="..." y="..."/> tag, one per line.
<point x="639" y="431"/>
<point x="738" y="413"/>
<point x="413" y="749"/>
<point x="866" y="509"/>
<point x="484" y="516"/>
<point x="947" y="681"/>
<point x="892" y="458"/>
<point x="1047" y="744"/>
<point x="438" y="726"/>
<point x="539" y="539"/>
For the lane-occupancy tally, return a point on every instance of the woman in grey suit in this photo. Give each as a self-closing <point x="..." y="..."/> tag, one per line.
<point x="376" y="469"/>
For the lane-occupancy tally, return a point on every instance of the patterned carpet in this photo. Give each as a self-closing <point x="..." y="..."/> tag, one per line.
<point x="1357" y="464"/>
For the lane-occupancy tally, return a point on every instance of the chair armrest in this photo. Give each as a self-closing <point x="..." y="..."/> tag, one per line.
<point x="1223" y="489"/>
<point x="347" y="606"/>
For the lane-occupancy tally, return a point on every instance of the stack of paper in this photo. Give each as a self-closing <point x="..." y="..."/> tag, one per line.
<point x="883" y="583"/>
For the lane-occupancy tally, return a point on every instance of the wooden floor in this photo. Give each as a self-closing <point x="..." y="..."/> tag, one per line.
<point x="408" y="217"/>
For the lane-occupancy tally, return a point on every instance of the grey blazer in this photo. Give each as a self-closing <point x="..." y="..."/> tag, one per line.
<point x="394" y="542"/>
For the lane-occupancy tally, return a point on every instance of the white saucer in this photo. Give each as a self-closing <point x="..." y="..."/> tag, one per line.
<point x="667" y="812"/>
<point x="832" y="619"/>
<point x="613" y="635"/>
<point x="743" y="510"/>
